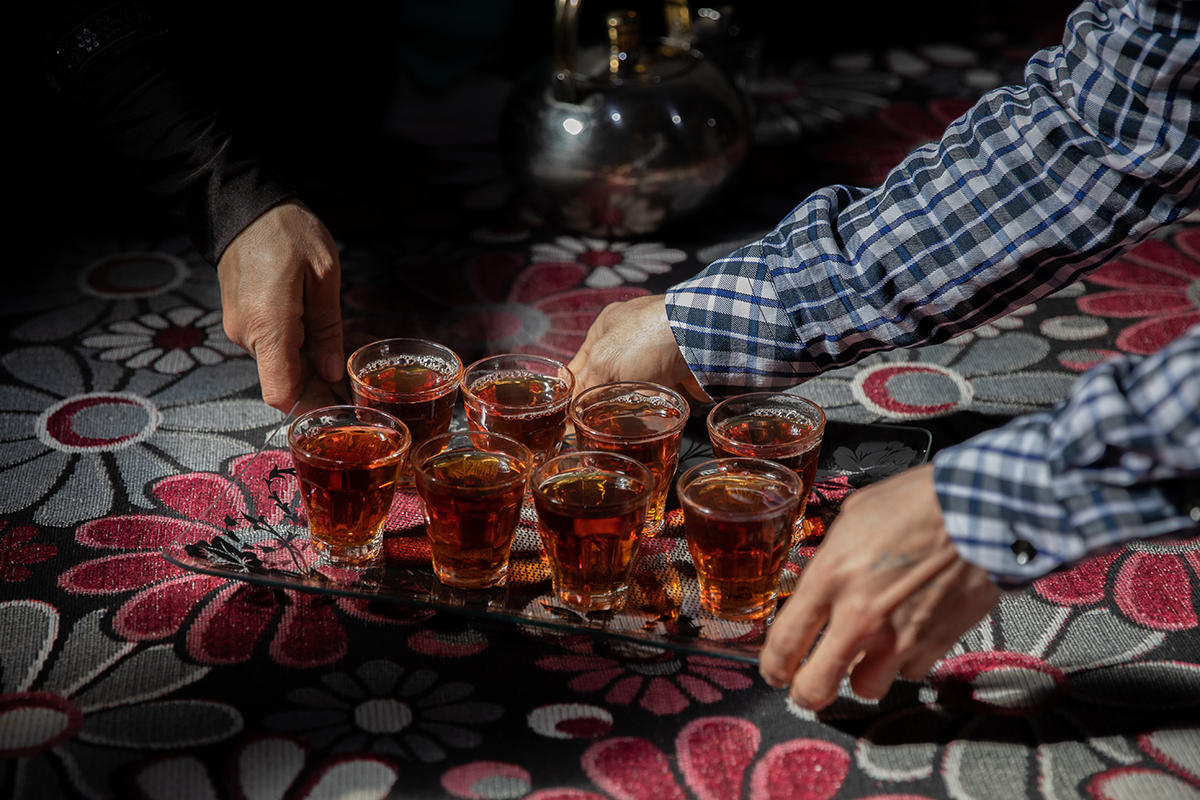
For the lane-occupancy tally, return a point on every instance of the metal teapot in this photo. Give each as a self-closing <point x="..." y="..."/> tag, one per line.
<point x="619" y="140"/>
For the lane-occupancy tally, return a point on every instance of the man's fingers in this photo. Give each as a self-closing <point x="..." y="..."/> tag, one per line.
<point x="791" y="636"/>
<point x="816" y="683"/>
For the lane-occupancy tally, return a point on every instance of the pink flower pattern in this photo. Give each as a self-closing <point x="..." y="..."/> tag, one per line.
<point x="662" y="682"/>
<point x="1152" y="585"/>
<point x="223" y="621"/>
<point x="18" y="550"/>
<point x="1155" y="281"/>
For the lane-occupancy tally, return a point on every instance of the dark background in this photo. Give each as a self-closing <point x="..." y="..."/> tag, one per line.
<point x="312" y="83"/>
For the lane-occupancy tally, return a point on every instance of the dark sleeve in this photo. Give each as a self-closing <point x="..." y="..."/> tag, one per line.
<point x="111" y="66"/>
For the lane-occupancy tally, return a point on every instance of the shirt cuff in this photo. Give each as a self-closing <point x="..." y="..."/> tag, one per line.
<point x="732" y="328"/>
<point x="1000" y="507"/>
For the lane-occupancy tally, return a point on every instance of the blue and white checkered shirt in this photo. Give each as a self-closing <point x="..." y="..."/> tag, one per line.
<point x="1035" y="186"/>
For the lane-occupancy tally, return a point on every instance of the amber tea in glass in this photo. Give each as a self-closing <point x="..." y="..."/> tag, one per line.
<point x="643" y="421"/>
<point x="737" y="518"/>
<point x="781" y="427"/>
<point x="414" y="380"/>
<point x="591" y="510"/>
<point x="347" y="461"/>
<point x="472" y="484"/>
<point x="522" y="396"/>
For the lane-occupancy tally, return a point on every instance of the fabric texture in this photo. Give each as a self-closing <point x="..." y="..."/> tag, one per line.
<point x="1032" y="188"/>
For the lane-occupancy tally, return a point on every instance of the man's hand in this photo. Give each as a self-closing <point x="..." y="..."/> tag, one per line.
<point x="280" y="296"/>
<point x="890" y="591"/>
<point x="632" y="341"/>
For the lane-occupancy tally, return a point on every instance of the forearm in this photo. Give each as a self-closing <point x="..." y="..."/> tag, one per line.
<point x="1109" y="464"/>
<point x="1035" y="186"/>
<point x="113" y="70"/>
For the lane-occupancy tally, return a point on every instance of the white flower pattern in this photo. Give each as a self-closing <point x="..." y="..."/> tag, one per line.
<point x="612" y="263"/>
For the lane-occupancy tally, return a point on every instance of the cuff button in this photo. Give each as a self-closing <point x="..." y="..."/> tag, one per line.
<point x="1024" y="551"/>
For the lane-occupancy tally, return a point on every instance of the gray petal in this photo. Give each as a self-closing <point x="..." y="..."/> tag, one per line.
<point x="60" y="323"/>
<point x="87" y="494"/>
<point x="305" y="720"/>
<point x="48" y="368"/>
<point x="309" y="697"/>
<point x="17" y="398"/>
<point x="168" y="724"/>
<point x="418" y="682"/>
<point x="140" y="467"/>
<point x="903" y="745"/>
<point x="87" y="652"/>
<point x="30" y="630"/>
<point x="197" y="452"/>
<point x="211" y="383"/>
<point x="1028" y="624"/>
<point x="827" y="394"/>
<point x="854" y="413"/>
<point x="227" y="415"/>
<point x="1038" y="388"/>
<point x="454" y="736"/>
<point x="941" y="354"/>
<point x="446" y="693"/>
<point x="464" y="712"/>
<point x="1007" y="353"/>
<point x="24" y="485"/>
<point x="12" y="453"/>
<point x="1099" y="637"/>
<point x="380" y="676"/>
<point x="145" y="675"/>
<point x="993" y="765"/>
<point x="1066" y="765"/>
<point x="424" y="749"/>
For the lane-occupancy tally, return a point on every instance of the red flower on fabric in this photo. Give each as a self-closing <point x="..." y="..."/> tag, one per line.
<point x="866" y="149"/>
<point x="661" y="681"/>
<point x="17" y="549"/>
<point x="497" y="305"/>
<point x="716" y="757"/>
<point x="1159" y="280"/>
<point x="223" y="620"/>
<point x="1152" y="584"/>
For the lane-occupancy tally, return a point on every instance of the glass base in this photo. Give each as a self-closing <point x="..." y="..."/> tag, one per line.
<point x="593" y="601"/>
<point x="472" y="580"/>
<point x="764" y="612"/>
<point x="342" y="556"/>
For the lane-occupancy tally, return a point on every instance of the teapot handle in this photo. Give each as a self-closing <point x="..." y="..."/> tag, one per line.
<point x="566" y="37"/>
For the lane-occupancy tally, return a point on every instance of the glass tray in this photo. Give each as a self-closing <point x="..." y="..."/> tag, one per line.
<point x="663" y="608"/>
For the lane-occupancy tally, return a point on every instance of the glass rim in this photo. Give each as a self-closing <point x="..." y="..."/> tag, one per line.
<point x="399" y="455"/>
<point x="817" y="432"/>
<point x="526" y="455"/>
<point x="660" y="390"/>
<point x="642" y="474"/>
<point x="756" y="466"/>
<point x="550" y="406"/>
<point x="449" y="384"/>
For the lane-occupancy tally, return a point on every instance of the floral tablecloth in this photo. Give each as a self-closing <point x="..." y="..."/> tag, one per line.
<point x="122" y="404"/>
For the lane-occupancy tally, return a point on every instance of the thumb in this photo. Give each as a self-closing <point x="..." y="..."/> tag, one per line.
<point x="323" y="319"/>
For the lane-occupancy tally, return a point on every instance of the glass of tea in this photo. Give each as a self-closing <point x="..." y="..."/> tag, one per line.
<point x="591" y="509"/>
<point x="522" y="396"/>
<point x="641" y="420"/>
<point x="737" y="518"/>
<point x="778" y="426"/>
<point x="414" y="380"/>
<point x="347" y="461"/>
<point x="472" y="484"/>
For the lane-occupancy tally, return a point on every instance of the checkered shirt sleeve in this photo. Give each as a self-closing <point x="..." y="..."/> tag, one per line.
<point x="1119" y="459"/>
<point x="1034" y="186"/>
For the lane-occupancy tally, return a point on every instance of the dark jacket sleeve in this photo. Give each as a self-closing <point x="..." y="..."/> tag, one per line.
<point x="112" y="66"/>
